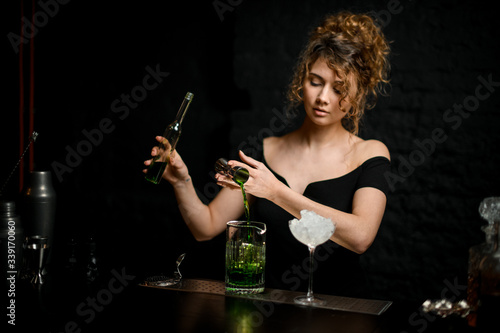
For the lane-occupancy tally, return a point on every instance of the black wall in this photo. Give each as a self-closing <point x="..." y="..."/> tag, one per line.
<point x="89" y="55"/>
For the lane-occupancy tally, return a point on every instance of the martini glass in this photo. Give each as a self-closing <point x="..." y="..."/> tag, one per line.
<point x="311" y="230"/>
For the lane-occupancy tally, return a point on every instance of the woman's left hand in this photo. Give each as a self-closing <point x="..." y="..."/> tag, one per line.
<point x="262" y="183"/>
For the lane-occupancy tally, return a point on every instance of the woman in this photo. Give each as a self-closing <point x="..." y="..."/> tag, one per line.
<point x="323" y="166"/>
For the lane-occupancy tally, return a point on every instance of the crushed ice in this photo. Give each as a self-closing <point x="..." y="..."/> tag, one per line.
<point x="312" y="229"/>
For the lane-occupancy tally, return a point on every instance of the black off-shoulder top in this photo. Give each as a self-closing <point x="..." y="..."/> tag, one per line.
<point x="337" y="270"/>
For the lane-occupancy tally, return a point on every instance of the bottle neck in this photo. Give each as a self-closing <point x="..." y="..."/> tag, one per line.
<point x="493" y="235"/>
<point x="183" y="108"/>
<point x="240" y="175"/>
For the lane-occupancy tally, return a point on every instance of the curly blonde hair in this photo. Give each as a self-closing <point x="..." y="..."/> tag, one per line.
<point x="356" y="50"/>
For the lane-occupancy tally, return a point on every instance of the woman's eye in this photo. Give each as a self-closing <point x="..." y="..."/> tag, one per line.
<point x="315" y="84"/>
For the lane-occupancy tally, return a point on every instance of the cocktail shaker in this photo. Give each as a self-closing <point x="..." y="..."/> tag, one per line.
<point x="38" y="206"/>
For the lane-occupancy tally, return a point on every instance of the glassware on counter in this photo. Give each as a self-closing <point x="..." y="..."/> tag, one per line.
<point x="245" y="257"/>
<point x="483" y="290"/>
<point x="311" y="230"/>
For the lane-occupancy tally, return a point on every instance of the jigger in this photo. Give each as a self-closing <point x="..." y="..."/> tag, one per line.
<point x="36" y="250"/>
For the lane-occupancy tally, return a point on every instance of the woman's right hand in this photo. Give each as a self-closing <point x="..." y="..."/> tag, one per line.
<point x="176" y="171"/>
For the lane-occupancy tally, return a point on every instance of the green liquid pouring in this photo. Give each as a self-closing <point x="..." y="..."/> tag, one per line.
<point x="245" y="201"/>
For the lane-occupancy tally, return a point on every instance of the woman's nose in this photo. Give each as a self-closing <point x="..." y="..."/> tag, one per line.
<point x="323" y="97"/>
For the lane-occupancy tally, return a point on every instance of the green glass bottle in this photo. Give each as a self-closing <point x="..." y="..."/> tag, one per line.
<point x="239" y="174"/>
<point x="171" y="134"/>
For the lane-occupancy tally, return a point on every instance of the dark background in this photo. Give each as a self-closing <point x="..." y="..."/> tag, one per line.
<point x="238" y="66"/>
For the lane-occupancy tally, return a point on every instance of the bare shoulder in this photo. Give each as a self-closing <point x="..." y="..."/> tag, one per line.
<point x="270" y="144"/>
<point x="278" y="150"/>
<point x="273" y="144"/>
<point x="270" y="141"/>
<point x="372" y="148"/>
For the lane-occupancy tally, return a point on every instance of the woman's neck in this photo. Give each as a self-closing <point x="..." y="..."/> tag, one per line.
<point x="321" y="136"/>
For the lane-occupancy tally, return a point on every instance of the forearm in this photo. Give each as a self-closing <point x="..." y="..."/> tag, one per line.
<point x="195" y="213"/>
<point x="207" y="221"/>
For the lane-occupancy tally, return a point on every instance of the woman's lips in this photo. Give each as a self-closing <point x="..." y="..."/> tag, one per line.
<point x="320" y="112"/>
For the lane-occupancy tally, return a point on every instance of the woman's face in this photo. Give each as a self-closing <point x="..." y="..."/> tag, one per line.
<point x="322" y="95"/>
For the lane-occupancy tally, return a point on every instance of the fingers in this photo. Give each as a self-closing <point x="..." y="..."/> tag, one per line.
<point x="154" y="152"/>
<point x="160" y="139"/>
<point x="225" y="181"/>
<point x="248" y="160"/>
<point x="175" y="160"/>
<point x="146" y="163"/>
